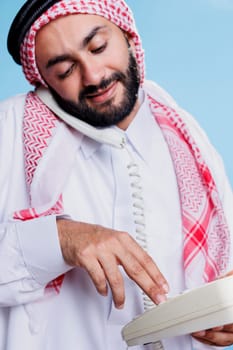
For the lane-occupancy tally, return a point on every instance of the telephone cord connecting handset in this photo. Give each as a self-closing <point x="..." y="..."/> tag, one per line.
<point x="115" y="139"/>
<point x="140" y="224"/>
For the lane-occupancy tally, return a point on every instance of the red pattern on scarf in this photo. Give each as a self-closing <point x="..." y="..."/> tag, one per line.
<point x="116" y="11"/>
<point x="38" y="125"/>
<point x="204" y="225"/>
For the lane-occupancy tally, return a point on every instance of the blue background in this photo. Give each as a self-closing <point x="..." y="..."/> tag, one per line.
<point x="189" y="51"/>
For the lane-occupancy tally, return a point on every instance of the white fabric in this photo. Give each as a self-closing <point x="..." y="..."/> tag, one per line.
<point x="30" y="257"/>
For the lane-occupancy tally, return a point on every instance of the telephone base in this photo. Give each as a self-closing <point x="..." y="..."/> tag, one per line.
<point x="202" y="308"/>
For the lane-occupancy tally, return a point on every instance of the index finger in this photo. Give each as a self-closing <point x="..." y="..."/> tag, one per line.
<point x="142" y="269"/>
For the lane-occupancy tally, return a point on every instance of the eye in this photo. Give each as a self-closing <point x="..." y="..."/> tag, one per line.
<point x="99" y="49"/>
<point x="67" y="73"/>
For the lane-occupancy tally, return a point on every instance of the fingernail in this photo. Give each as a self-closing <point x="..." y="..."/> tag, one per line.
<point x="165" y="288"/>
<point x="160" y="298"/>
<point x="200" y="334"/>
<point x="104" y="292"/>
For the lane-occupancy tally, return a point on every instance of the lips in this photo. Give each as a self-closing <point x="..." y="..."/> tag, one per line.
<point x="104" y="95"/>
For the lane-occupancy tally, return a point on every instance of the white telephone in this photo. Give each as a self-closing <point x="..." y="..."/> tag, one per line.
<point x="202" y="308"/>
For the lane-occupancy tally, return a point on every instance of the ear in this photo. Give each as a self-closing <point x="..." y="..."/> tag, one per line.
<point x="130" y="42"/>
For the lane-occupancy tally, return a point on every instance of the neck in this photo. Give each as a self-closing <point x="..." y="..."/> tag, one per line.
<point x="126" y="122"/>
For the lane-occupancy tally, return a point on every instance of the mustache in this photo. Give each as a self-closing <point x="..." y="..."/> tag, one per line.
<point x="104" y="84"/>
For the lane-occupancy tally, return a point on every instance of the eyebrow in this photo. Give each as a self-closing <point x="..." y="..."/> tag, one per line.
<point x="66" y="57"/>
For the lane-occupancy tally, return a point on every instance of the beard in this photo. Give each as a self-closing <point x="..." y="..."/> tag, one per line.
<point x="111" y="114"/>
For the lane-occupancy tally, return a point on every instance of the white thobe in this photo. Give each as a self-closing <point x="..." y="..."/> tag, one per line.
<point x="98" y="190"/>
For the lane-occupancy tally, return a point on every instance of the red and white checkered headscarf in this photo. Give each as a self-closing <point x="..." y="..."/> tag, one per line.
<point x="115" y="11"/>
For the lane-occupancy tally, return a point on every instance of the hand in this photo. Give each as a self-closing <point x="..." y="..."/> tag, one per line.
<point x="218" y="336"/>
<point x="100" y="251"/>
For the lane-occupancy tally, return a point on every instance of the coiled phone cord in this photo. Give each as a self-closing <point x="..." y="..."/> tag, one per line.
<point x="139" y="221"/>
<point x="113" y="138"/>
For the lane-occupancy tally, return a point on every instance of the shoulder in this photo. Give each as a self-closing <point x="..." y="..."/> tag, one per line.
<point x="158" y="93"/>
<point x="208" y="151"/>
<point x="162" y="96"/>
<point x="11" y="120"/>
<point x="13" y="105"/>
<point x="11" y="116"/>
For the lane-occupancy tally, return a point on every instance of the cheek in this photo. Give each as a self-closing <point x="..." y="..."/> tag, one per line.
<point x="68" y="88"/>
<point x="118" y="54"/>
<point x="122" y="63"/>
<point x="115" y="62"/>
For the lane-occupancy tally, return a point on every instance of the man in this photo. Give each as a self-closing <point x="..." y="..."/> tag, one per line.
<point x="92" y="230"/>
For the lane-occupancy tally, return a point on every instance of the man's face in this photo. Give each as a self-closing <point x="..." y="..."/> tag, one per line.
<point x="89" y="68"/>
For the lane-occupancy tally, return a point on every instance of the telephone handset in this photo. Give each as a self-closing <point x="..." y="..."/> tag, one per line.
<point x="103" y="135"/>
<point x="194" y="310"/>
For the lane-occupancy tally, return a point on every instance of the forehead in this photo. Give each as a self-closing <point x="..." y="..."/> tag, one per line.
<point x="76" y="24"/>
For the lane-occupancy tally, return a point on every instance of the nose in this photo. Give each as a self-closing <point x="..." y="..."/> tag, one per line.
<point x="92" y="72"/>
